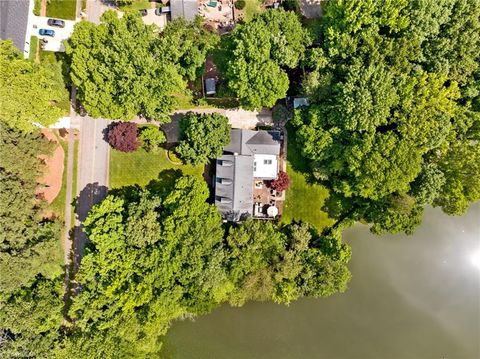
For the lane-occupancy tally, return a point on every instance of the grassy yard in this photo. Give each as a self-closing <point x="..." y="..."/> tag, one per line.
<point x="33" y="47"/>
<point x="58" y="204"/>
<point x="303" y="200"/>
<point x="141" y="167"/>
<point x="252" y="7"/>
<point x="136" y="5"/>
<point x="61" y="9"/>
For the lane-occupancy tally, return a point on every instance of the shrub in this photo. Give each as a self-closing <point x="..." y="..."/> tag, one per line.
<point x="240" y="4"/>
<point x="281" y="183"/>
<point x="152" y="138"/>
<point x="123" y="136"/>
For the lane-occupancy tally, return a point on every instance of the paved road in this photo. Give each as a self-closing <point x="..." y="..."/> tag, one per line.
<point x="92" y="180"/>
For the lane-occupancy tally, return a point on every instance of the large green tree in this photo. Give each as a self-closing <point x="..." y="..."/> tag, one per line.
<point x="30" y="252"/>
<point x="258" y="53"/>
<point x="29" y="92"/>
<point x="156" y="256"/>
<point x="203" y="137"/>
<point x="30" y="319"/>
<point x="117" y="71"/>
<point x="28" y="243"/>
<point x="390" y="106"/>
<point x="186" y="44"/>
<point x="151" y="261"/>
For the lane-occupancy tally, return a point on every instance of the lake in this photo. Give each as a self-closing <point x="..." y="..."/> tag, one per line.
<point x="410" y="297"/>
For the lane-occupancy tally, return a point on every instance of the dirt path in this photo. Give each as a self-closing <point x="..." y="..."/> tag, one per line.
<point x="51" y="181"/>
<point x="43" y="8"/>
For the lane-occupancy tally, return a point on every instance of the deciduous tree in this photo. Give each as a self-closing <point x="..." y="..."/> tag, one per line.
<point x="29" y="92"/>
<point x="203" y="137"/>
<point x="258" y="52"/>
<point x="123" y="136"/>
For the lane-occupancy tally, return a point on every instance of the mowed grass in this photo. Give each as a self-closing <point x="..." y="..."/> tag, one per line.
<point x="141" y="167"/>
<point x="303" y="201"/>
<point x="58" y="204"/>
<point x="61" y="9"/>
<point x="252" y="7"/>
<point x="136" y="5"/>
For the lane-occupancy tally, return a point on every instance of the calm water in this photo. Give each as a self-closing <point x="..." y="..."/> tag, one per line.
<point x="410" y="297"/>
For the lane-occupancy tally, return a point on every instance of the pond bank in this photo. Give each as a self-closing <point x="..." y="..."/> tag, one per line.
<point x="410" y="297"/>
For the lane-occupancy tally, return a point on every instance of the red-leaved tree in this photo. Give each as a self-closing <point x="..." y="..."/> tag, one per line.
<point x="281" y="183"/>
<point x="123" y="136"/>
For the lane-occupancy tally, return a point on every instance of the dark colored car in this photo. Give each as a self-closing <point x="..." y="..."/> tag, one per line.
<point x="143" y="12"/>
<point x="162" y="10"/>
<point x="56" y="22"/>
<point x="46" y="32"/>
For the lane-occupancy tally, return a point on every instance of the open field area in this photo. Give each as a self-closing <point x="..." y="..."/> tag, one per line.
<point x="62" y="9"/>
<point x="141" y="167"/>
<point x="303" y="201"/>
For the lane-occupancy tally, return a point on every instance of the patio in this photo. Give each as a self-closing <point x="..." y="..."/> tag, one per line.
<point x="265" y="197"/>
<point x="217" y="14"/>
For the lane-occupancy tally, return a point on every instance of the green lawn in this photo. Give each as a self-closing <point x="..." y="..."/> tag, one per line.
<point x="136" y="5"/>
<point x="33" y="47"/>
<point x="303" y="201"/>
<point x="61" y="9"/>
<point x="58" y="204"/>
<point x="141" y="167"/>
<point x="252" y="7"/>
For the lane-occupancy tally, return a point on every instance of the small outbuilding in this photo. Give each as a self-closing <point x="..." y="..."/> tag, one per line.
<point x="210" y="86"/>
<point x="300" y="102"/>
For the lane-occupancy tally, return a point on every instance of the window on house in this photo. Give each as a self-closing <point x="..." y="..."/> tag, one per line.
<point x="267" y="162"/>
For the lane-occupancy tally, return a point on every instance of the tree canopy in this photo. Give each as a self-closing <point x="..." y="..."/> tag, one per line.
<point x="390" y="107"/>
<point x="203" y="137"/>
<point x="123" y="67"/>
<point x="157" y="256"/>
<point x="29" y="92"/>
<point x="257" y="54"/>
<point x="30" y="252"/>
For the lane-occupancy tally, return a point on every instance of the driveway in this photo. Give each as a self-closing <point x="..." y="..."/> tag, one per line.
<point x="237" y="118"/>
<point x="54" y="43"/>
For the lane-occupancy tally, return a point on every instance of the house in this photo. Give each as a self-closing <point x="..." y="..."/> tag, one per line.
<point x="14" y="17"/>
<point x="187" y="9"/>
<point x="251" y="158"/>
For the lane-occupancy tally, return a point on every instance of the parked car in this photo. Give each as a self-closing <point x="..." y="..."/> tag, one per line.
<point x="162" y="10"/>
<point x="56" y="22"/>
<point x="46" y="32"/>
<point x="143" y="12"/>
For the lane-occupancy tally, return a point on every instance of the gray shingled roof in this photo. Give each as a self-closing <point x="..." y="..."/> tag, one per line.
<point x="187" y="9"/>
<point x="247" y="142"/>
<point x="14" y="21"/>
<point x="235" y="198"/>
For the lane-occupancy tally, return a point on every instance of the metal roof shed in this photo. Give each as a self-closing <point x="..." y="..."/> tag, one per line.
<point x="210" y="86"/>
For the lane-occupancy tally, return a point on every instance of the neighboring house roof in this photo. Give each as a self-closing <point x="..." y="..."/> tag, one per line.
<point x="14" y="21"/>
<point x="300" y="102"/>
<point x="237" y="167"/>
<point x="187" y="9"/>
<point x="210" y="86"/>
